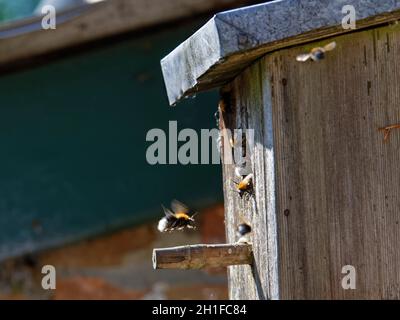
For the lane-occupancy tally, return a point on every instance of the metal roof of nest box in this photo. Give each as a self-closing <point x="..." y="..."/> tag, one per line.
<point x="232" y="40"/>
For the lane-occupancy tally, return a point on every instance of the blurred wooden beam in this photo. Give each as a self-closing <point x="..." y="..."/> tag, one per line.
<point x="25" y="39"/>
<point x="202" y="256"/>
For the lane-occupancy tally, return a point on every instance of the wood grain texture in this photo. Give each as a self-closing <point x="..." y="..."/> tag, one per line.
<point x="337" y="183"/>
<point x="251" y="109"/>
<point x="201" y="256"/>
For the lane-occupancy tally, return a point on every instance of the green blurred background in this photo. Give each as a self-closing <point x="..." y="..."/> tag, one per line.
<point x="73" y="139"/>
<point x="16" y="9"/>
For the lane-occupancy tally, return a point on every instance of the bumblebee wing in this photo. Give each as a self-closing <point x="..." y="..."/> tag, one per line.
<point x="193" y="215"/>
<point x="167" y="212"/>
<point x="249" y="178"/>
<point x="175" y="224"/>
<point x="330" y="46"/>
<point x="242" y="171"/>
<point x="179" y="207"/>
<point x="303" y="57"/>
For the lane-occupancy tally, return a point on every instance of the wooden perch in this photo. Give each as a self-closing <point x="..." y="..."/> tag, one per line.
<point x="202" y="256"/>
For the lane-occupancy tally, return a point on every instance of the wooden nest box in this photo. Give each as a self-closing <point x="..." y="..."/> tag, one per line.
<point x="326" y="179"/>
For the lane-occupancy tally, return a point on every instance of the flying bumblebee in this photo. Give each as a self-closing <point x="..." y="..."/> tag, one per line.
<point x="245" y="187"/>
<point x="316" y="54"/>
<point x="177" y="219"/>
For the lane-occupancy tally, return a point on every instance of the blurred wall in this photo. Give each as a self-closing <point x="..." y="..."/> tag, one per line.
<point x="73" y="133"/>
<point x="16" y="9"/>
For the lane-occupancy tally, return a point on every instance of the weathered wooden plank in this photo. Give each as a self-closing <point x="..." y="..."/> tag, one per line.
<point x="250" y="109"/>
<point x="200" y="256"/>
<point x="339" y="181"/>
<point x="337" y="184"/>
<point x="24" y="39"/>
